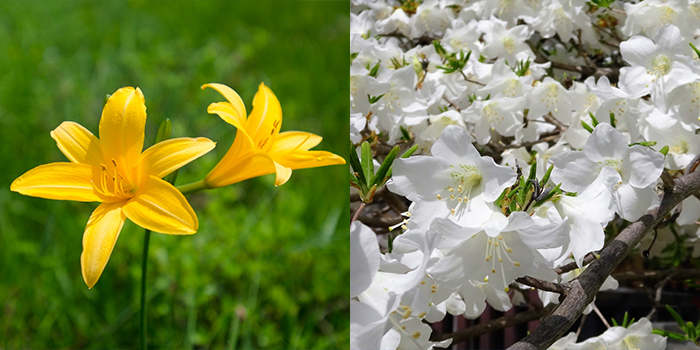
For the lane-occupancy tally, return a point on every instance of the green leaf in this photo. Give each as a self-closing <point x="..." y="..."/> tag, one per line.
<point x="595" y="121"/>
<point x="614" y="322"/>
<point x="672" y="335"/>
<point x="367" y="163"/>
<point x="612" y="119"/>
<point x="624" y="319"/>
<point x="164" y="130"/>
<point x="380" y="178"/>
<point x="406" y="154"/>
<point x="373" y="72"/>
<point x="409" y="152"/>
<point x="676" y="317"/>
<point x="356" y="165"/>
<point x="664" y="150"/>
<point x="586" y="126"/>
<point x="405" y="134"/>
<point x="374" y="99"/>
<point x="545" y="178"/>
<point x="697" y="52"/>
<point x="603" y="3"/>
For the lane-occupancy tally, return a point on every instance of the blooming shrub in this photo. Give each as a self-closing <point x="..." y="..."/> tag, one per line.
<point x="539" y="126"/>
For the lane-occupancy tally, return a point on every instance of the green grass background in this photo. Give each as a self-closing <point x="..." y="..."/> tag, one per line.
<point x="269" y="267"/>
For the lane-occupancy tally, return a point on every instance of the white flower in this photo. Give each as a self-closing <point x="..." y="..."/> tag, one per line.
<point x="637" y="169"/>
<point x="637" y="336"/>
<point x="508" y="44"/>
<point x="656" y="66"/>
<point x="683" y="144"/>
<point x="454" y="181"/>
<point x="587" y="214"/>
<point x="497" y="259"/>
<point x="550" y="96"/>
<point x="503" y="115"/>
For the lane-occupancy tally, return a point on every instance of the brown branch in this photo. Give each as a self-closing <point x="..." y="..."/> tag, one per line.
<point x="572" y="265"/>
<point x="493" y="325"/>
<point x="653" y="276"/>
<point x="586" y="286"/>
<point x="471" y="81"/>
<point x="667" y="179"/>
<point x="554" y="121"/>
<point x="357" y="211"/>
<point x="444" y="97"/>
<point x="543" y="285"/>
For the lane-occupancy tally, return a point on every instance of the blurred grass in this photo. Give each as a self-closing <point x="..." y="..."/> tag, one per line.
<point x="269" y="267"/>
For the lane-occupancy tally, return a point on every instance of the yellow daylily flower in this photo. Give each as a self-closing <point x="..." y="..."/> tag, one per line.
<point x="259" y="148"/>
<point x="114" y="170"/>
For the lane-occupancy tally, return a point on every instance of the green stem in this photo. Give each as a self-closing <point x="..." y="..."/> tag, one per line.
<point x="193" y="187"/>
<point x="146" y="240"/>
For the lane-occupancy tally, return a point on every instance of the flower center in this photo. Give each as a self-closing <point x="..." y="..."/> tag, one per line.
<point x="496" y="250"/>
<point x="466" y="178"/>
<point x="112" y="184"/>
<point x="660" y="65"/>
<point x="509" y="44"/>
<point x="613" y="163"/>
<point x="679" y="147"/>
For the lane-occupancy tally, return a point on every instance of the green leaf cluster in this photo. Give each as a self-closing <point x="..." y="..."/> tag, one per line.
<point x="363" y="176"/>
<point x="452" y="62"/>
<point x="691" y="330"/>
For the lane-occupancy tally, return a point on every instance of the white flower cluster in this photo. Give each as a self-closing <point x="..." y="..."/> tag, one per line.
<point x="464" y="78"/>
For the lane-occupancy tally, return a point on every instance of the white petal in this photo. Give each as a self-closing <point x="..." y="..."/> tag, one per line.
<point x="606" y="143"/>
<point x="633" y="202"/>
<point x="646" y="166"/>
<point x="364" y="257"/>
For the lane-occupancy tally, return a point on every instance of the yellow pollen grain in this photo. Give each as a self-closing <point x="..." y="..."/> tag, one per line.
<point x="452" y="211"/>
<point x="422" y="282"/>
<point x="422" y="314"/>
<point x="452" y="197"/>
<point x="415" y="335"/>
<point x="439" y="197"/>
<point x="516" y="263"/>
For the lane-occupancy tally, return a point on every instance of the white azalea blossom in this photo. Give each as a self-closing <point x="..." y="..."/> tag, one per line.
<point x="535" y="151"/>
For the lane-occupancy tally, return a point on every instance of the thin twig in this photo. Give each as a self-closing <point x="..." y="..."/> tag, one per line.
<point x="572" y="265"/>
<point x="454" y="105"/>
<point x="602" y="318"/>
<point x="554" y="121"/>
<point x="493" y="325"/>
<point x="471" y="81"/>
<point x="543" y="285"/>
<point x="580" y="326"/>
<point x="357" y="212"/>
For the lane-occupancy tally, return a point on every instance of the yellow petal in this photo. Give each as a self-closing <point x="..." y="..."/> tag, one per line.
<point x="242" y="161"/>
<point x="309" y="159"/>
<point x="227" y="113"/>
<point x="291" y="141"/>
<point x="122" y="131"/>
<point x="236" y="116"/>
<point x="265" y="120"/>
<point x="63" y="181"/>
<point x="160" y="207"/>
<point x="100" y="235"/>
<point x="282" y="174"/>
<point x="167" y="156"/>
<point x="78" y="144"/>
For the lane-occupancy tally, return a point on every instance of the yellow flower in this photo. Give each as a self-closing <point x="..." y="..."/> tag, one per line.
<point x="259" y="148"/>
<point x="114" y="171"/>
